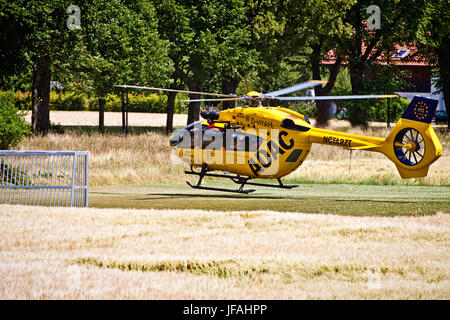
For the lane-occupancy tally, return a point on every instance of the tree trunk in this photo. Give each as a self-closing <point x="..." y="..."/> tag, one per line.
<point x="41" y="95"/>
<point x="357" y="69"/>
<point x="444" y="74"/>
<point x="323" y="113"/>
<point x="123" y="111"/>
<point x="101" y="115"/>
<point x="194" y="107"/>
<point x="323" y="106"/>
<point x="170" y="111"/>
<point x="358" y="115"/>
<point x="229" y="86"/>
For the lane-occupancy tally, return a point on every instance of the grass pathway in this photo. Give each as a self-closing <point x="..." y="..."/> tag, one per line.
<point x="356" y="200"/>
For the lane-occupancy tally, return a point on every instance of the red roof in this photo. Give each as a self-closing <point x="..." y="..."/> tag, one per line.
<point x="411" y="58"/>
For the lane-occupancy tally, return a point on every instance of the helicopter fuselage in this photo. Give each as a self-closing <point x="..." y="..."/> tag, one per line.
<point x="271" y="142"/>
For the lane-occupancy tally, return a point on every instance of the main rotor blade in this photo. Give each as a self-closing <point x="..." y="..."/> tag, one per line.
<point x="297" y="87"/>
<point x="201" y="100"/>
<point x="174" y="90"/>
<point x="369" y="96"/>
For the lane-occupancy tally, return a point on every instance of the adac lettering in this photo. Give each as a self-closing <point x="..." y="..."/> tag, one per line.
<point x="263" y="157"/>
<point x="337" y="141"/>
<point x="261" y="122"/>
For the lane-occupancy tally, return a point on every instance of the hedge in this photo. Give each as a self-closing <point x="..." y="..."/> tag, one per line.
<point x="72" y="101"/>
<point x="13" y="127"/>
<point x="136" y="103"/>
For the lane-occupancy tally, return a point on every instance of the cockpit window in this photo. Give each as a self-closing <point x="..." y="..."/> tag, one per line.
<point x="184" y="138"/>
<point x="246" y="142"/>
<point x="198" y="135"/>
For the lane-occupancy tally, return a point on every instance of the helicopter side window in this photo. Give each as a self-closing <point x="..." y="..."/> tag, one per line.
<point x="246" y="142"/>
<point x="197" y="135"/>
<point x="213" y="138"/>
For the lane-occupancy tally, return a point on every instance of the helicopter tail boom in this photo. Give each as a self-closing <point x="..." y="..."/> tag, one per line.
<point x="412" y="144"/>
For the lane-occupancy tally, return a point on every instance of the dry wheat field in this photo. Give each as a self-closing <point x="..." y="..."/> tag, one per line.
<point x="60" y="253"/>
<point x="126" y="253"/>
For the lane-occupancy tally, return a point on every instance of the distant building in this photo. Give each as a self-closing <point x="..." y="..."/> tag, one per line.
<point x="55" y="85"/>
<point x="420" y="68"/>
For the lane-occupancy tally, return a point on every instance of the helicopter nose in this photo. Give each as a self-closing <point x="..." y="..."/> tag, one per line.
<point x="175" y="140"/>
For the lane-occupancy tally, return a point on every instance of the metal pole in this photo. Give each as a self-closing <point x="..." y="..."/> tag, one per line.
<point x="2" y="166"/>
<point x="388" y="114"/>
<point x="56" y="195"/>
<point x="73" y="179"/>
<point x="46" y="181"/>
<point x="63" y="182"/>
<point x="39" y="179"/>
<point x="86" y="172"/>
<point x="8" y="170"/>
<point x="126" y="116"/>
<point x="28" y="162"/>
<point x="123" y="110"/>
<point x="33" y="178"/>
<point x="52" y="184"/>
<point x="21" y="175"/>
<point x="16" y="167"/>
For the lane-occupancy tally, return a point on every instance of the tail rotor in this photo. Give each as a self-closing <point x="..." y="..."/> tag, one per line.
<point x="413" y="145"/>
<point x="409" y="146"/>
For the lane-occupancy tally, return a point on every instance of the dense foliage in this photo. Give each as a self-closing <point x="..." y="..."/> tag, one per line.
<point x="13" y="127"/>
<point x="230" y="46"/>
<point x="75" y="101"/>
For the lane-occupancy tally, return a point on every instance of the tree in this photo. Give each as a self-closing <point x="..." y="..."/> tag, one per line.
<point x="34" y="33"/>
<point x="235" y="51"/>
<point x="208" y="47"/>
<point x="222" y="50"/>
<point x="399" y="22"/>
<point x="114" y="42"/>
<point x="434" y="40"/>
<point x="312" y="30"/>
<point x="174" y="27"/>
<point x="123" y="49"/>
<point x="13" y="126"/>
<point x="13" y="57"/>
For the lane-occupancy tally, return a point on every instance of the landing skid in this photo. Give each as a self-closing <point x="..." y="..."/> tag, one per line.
<point x="235" y="178"/>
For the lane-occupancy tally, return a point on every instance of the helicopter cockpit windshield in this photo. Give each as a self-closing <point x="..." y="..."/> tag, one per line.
<point x="184" y="138"/>
<point x="197" y="135"/>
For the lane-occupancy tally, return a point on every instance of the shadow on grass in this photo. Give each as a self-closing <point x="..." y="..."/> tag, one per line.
<point x="161" y="196"/>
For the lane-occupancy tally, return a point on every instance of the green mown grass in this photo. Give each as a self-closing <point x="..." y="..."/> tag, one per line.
<point x="355" y="200"/>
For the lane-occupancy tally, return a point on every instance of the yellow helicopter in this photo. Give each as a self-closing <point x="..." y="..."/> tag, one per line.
<point x="255" y="141"/>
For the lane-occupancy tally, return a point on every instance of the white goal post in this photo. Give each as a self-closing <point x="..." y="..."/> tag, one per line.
<point x="44" y="178"/>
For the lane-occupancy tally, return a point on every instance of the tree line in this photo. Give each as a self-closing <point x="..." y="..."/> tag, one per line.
<point x="215" y="46"/>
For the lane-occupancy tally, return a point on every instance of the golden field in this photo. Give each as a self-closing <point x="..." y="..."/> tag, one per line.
<point x="114" y="253"/>
<point x="61" y="253"/>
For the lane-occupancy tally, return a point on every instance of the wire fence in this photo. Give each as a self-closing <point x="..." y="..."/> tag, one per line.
<point x="44" y="178"/>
